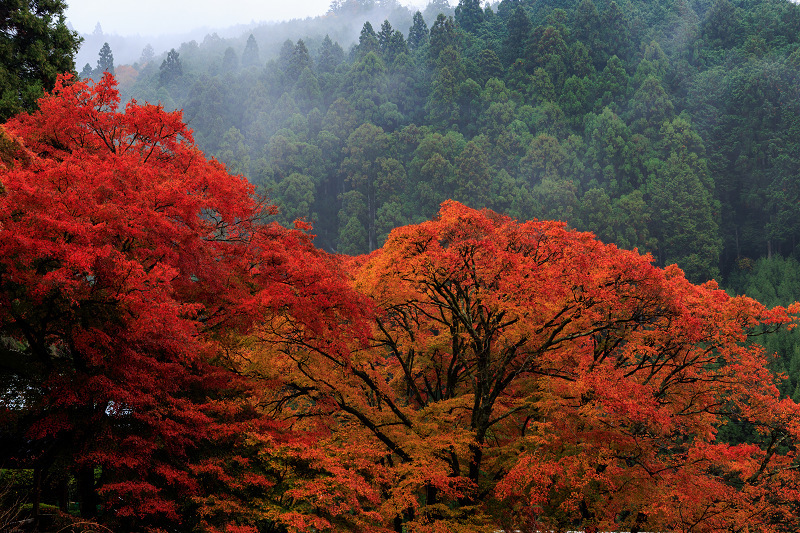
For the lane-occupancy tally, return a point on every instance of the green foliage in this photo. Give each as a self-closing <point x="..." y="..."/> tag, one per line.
<point x="673" y="128"/>
<point x="418" y="32"/>
<point x="772" y="281"/>
<point x="171" y="68"/>
<point x="250" y="56"/>
<point x="35" y="46"/>
<point x="105" y="61"/>
<point x="469" y="16"/>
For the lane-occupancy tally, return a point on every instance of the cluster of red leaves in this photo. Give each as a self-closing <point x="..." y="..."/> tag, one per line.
<point x="128" y="264"/>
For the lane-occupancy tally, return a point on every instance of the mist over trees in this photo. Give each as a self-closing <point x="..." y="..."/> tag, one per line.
<point x="669" y="129"/>
<point x="547" y="110"/>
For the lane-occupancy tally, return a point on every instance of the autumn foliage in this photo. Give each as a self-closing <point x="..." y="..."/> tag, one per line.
<point x="128" y="260"/>
<point x="192" y="366"/>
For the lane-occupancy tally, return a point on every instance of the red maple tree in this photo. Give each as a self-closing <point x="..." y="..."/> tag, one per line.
<point x="126" y="261"/>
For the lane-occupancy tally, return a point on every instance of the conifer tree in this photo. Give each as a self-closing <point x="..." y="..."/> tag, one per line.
<point x="368" y="40"/>
<point x="469" y="15"/>
<point x="230" y="62"/>
<point x="330" y="55"/>
<point x="443" y="34"/>
<point x="385" y="36"/>
<point x="519" y="29"/>
<point x="87" y="72"/>
<point x="171" y="68"/>
<point x="300" y="60"/>
<point x="418" y="32"/>
<point x="35" y="46"/>
<point x="250" y="56"/>
<point x="147" y="54"/>
<point x="105" y="60"/>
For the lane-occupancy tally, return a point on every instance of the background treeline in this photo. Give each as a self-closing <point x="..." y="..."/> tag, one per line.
<point x="672" y="127"/>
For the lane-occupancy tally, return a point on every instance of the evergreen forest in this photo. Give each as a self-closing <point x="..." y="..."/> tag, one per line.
<point x="668" y="127"/>
<point x="671" y="127"/>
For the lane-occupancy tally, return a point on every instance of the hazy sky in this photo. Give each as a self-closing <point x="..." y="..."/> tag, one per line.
<point x="155" y="17"/>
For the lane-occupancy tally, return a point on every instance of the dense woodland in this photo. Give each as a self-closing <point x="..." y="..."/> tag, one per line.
<point x="365" y="334"/>
<point x="669" y="127"/>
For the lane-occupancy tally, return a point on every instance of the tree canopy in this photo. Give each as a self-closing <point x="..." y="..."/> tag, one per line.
<point x="129" y="260"/>
<point x="524" y="375"/>
<point x="35" y="46"/>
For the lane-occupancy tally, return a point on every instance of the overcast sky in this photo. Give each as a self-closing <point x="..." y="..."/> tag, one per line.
<point x="156" y="17"/>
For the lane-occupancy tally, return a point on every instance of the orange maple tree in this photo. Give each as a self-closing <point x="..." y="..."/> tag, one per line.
<point x="526" y="376"/>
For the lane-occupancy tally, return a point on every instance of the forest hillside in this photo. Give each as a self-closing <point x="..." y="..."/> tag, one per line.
<point x="669" y="127"/>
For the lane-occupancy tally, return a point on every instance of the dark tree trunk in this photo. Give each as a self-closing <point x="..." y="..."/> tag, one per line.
<point x="86" y="492"/>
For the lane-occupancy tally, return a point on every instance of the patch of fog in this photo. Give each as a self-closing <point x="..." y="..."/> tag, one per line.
<point x="127" y="49"/>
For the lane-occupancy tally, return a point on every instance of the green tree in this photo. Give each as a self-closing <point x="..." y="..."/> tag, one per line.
<point x="233" y="152"/>
<point x="417" y="33"/>
<point x="595" y="214"/>
<point x="331" y="55"/>
<point x="35" y="46"/>
<point x="470" y="16"/>
<point x="474" y="174"/>
<point x="575" y="96"/>
<point x="540" y="87"/>
<point x="147" y="55"/>
<point x="519" y="29"/>
<point x="294" y="196"/>
<point x="587" y="26"/>
<point x="250" y="56"/>
<point x="543" y="159"/>
<point x="722" y="25"/>
<point x="612" y="85"/>
<point x="363" y="167"/>
<point x="431" y="170"/>
<point x="442" y="103"/>
<point x="299" y="61"/>
<point x="105" y="60"/>
<point x="607" y="152"/>
<point x="686" y="215"/>
<point x="171" y="68"/>
<point x="489" y="66"/>
<point x="654" y="63"/>
<point x="443" y="34"/>
<point x="771" y="281"/>
<point x="307" y="92"/>
<point x="230" y="61"/>
<point x="285" y="56"/>
<point x="385" y="37"/>
<point x="397" y="45"/>
<point x="368" y="41"/>
<point x="579" y="60"/>
<point x="87" y="72"/>
<point x="551" y="53"/>
<point x="616" y="32"/>
<point x="436" y="8"/>
<point x="367" y="86"/>
<point x="353" y="237"/>
<point x="650" y="107"/>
